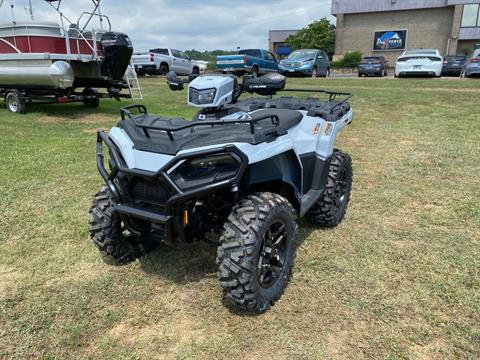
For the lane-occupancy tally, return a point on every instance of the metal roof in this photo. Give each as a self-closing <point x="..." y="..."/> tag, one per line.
<point x="276" y="36"/>
<point x="366" y="6"/>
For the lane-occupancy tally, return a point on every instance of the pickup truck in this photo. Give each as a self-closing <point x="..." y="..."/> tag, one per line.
<point x="252" y="61"/>
<point x="162" y="60"/>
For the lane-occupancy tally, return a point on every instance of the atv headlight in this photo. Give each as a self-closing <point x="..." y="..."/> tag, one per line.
<point x="202" y="97"/>
<point x="198" y="172"/>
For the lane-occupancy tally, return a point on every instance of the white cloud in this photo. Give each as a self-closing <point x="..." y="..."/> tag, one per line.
<point x="188" y="24"/>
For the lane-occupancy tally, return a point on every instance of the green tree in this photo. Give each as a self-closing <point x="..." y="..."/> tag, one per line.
<point x="466" y="51"/>
<point x="318" y="35"/>
<point x="207" y="55"/>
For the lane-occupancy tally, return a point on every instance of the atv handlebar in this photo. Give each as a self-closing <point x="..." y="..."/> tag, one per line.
<point x="269" y="84"/>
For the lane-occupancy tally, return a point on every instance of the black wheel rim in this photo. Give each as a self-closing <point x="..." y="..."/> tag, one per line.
<point x="341" y="189"/>
<point x="272" y="254"/>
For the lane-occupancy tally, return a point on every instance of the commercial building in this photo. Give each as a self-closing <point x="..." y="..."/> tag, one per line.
<point x="387" y="27"/>
<point x="276" y="41"/>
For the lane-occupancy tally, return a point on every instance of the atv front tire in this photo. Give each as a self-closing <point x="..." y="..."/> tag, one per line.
<point x="330" y="209"/>
<point x="257" y="250"/>
<point x="109" y="236"/>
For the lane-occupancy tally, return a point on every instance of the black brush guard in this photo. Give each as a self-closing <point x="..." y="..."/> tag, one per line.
<point x="167" y="217"/>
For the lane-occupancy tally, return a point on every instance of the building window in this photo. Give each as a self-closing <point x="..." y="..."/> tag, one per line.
<point x="470" y="15"/>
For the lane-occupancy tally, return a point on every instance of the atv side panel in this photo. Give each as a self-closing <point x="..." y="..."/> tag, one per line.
<point x="283" y="167"/>
<point x="137" y="159"/>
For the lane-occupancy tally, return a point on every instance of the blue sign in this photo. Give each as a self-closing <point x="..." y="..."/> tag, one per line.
<point x="390" y="40"/>
<point x="284" y="50"/>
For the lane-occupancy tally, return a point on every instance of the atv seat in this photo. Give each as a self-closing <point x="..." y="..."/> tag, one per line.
<point x="287" y="118"/>
<point x="169" y="123"/>
<point x="147" y="119"/>
<point x="159" y="141"/>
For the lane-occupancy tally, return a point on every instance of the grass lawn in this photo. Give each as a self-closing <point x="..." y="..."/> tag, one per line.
<point x="399" y="278"/>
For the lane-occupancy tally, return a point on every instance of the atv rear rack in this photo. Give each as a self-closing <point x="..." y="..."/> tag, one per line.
<point x="332" y="95"/>
<point x="126" y="113"/>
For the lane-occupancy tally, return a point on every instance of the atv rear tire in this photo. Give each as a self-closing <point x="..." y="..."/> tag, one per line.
<point x="257" y="250"/>
<point x="108" y="235"/>
<point x="330" y="209"/>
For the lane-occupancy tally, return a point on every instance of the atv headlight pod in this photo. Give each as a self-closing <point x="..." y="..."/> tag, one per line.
<point x="201" y="171"/>
<point x="202" y="97"/>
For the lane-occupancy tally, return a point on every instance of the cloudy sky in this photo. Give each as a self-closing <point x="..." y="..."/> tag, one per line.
<point x="190" y="24"/>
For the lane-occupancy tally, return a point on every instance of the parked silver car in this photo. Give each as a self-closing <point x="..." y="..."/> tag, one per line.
<point x="472" y="67"/>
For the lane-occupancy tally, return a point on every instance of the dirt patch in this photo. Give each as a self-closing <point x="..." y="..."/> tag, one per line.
<point x="83" y="119"/>
<point x="9" y="280"/>
<point x="179" y="332"/>
<point x="430" y="351"/>
<point x="93" y="118"/>
<point x="50" y="119"/>
<point x="345" y="340"/>
<point x="94" y="130"/>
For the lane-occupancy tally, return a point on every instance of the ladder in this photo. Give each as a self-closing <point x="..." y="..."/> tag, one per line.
<point x="132" y="83"/>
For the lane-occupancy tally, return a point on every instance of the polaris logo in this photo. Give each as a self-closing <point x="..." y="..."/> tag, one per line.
<point x="390" y="40"/>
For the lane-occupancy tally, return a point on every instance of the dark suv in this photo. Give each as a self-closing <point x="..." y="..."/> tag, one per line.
<point x="373" y="65"/>
<point x="453" y="65"/>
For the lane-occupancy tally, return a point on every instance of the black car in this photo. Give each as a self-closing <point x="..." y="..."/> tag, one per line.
<point x="453" y="65"/>
<point x="373" y="65"/>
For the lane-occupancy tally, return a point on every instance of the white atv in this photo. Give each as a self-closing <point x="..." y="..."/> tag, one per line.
<point x="237" y="175"/>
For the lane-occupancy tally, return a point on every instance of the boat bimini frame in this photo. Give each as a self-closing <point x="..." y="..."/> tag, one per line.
<point x="76" y="30"/>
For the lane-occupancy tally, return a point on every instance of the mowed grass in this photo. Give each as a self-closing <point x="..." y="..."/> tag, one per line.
<point x="399" y="278"/>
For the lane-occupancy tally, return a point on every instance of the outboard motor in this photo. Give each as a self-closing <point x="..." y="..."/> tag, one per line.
<point x="118" y="51"/>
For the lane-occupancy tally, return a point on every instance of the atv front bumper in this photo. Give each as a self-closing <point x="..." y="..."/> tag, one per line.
<point x="169" y="212"/>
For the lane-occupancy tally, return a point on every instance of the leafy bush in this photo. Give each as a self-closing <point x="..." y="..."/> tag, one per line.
<point x="318" y="35"/>
<point x="466" y="51"/>
<point x="350" y="60"/>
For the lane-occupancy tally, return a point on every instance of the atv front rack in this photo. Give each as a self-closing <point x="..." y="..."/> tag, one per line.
<point x="126" y="113"/>
<point x="178" y="196"/>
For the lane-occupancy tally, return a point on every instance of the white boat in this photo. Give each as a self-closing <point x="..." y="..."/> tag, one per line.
<point x="65" y="61"/>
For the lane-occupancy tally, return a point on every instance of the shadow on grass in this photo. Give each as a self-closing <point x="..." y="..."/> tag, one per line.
<point x="75" y="111"/>
<point x="185" y="263"/>
<point x="182" y="263"/>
